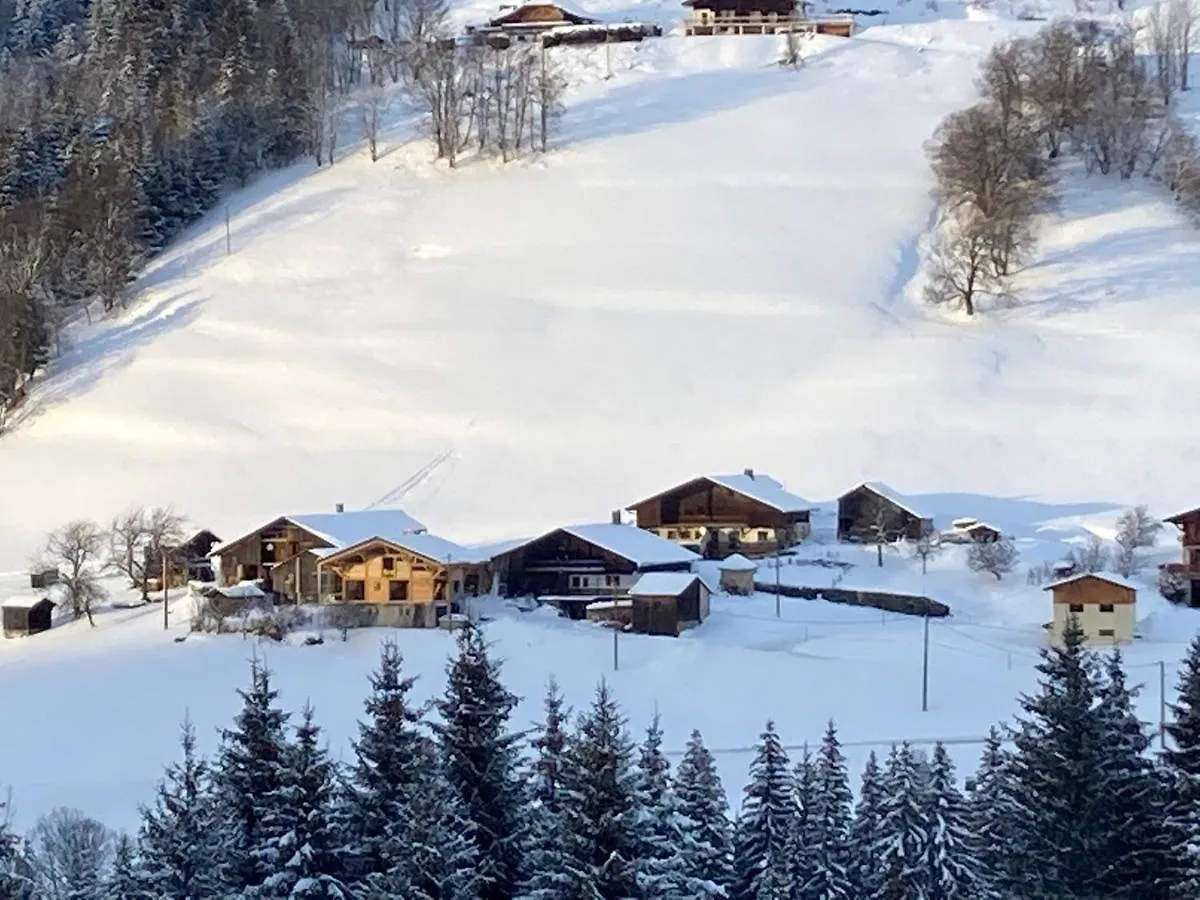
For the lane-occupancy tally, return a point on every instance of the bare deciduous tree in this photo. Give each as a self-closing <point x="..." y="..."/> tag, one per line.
<point x="959" y="265"/>
<point x="444" y="78"/>
<point x="994" y="557"/>
<point x="374" y="99"/>
<point x="128" y="536"/>
<point x="792" y="42"/>
<point x="70" y="854"/>
<point x="1092" y="556"/>
<point x="1136" y="529"/>
<point x="926" y="548"/>
<point x="77" y="550"/>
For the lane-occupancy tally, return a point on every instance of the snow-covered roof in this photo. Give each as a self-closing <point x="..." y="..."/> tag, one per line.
<point x="1110" y="577"/>
<point x="243" y="590"/>
<point x="737" y="563"/>
<point x="430" y="546"/>
<point x="895" y="497"/>
<point x="345" y="528"/>
<point x="640" y="547"/>
<point x="762" y="488"/>
<point x="663" y="584"/>
<point x="610" y="604"/>
<point x="23" y="602"/>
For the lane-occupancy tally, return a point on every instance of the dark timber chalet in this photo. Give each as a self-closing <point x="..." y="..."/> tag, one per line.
<point x="717" y="515"/>
<point x="874" y="510"/>
<point x="1188" y="569"/>
<point x="577" y="564"/>
<point x="760" y="17"/>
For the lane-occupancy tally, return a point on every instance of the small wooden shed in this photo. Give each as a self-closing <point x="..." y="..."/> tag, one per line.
<point x="26" y="615"/>
<point x="667" y="602"/>
<point x="737" y="574"/>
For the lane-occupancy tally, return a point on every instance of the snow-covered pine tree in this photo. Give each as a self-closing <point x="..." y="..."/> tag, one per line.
<point x="990" y="815"/>
<point x="247" y="778"/>
<point x="178" y="839"/>
<point x="953" y="871"/>
<point x="14" y="880"/>
<point x="480" y="759"/>
<point x="1138" y="845"/>
<point x="865" y="835"/>
<point x="392" y="759"/>
<point x="1060" y="808"/>
<point x="599" y="804"/>
<point x="546" y="861"/>
<point x="763" y="831"/>
<point x="702" y="802"/>
<point x="902" y="829"/>
<point x="307" y="852"/>
<point x="1181" y="756"/>
<point x="662" y="831"/>
<point x="827" y="828"/>
<point x="125" y="879"/>
<point x="801" y="849"/>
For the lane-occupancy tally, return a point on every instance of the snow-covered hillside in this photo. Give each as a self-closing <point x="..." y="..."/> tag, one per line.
<point x="715" y="269"/>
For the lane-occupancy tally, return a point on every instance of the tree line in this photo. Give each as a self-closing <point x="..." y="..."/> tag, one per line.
<point x="123" y="121"/>
<point x="447" y="801"/>
<point x="1077" y="88"/>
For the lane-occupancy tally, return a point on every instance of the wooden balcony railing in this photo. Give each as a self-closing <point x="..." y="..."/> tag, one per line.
<point x="842" y="26"/>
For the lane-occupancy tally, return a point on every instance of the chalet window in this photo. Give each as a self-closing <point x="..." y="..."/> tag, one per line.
<point x="355" y="591"/>
<point x="672" y="535"/>
<point x="763" y="536"/>
<point x="1107" y="632"/>
<point x="268" y="552"/>
<point x="397" y="591"/>
<point x="457" y="588"/>
<point x="1106" y="607"/>
<point x="576" y="581"/>
<point x="389" y="564"/>
<point x="1076" y="607"/>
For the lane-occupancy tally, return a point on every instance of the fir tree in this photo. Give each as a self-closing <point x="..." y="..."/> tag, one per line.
<point x="307" y="862"/>
<point x="1181" y="756"/>
<point x="391" y="765"/>
<point x="952" y="870"/>
<point x="248" y="778"/>
<point x="443" y="861"/>
<point x="826" y="831"/>
<point x="14" y="878"/>
<point x="865" y="839"/>
<point x="600" y="811"/>
<point x="125" y="881"/>
<point x="702" y="802"/>
<point x="1059" y="808"/>
<point x="178" y="841"/>
<point x="902" y="829"/>
<point x="662" y="866"/>
<point x="764" y="827"/>
<point x="990" y="815"/>
<point x="802" y="852"/>
<point x="547" y="864"/>
<point x="480" y="761"/>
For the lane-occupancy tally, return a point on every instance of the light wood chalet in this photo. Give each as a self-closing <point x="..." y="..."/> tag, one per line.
<point x="873" y="509"/>
<point x="1103" y="605"/>
<point x="761" y="17"/>
<point x="717" y="515"/>
<point x="1188" y="569"/>
<point x="578" y="564"/>
<point x="414" y="579"/>
<point x="529" y="20"/>
<point x="286" y="547"/>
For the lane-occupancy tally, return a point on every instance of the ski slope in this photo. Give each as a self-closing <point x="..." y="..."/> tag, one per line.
<point x="718" y="267"/>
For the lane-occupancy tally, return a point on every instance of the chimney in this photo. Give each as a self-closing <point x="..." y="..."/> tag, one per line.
<point x="616" y="517"/>
<point x="749" y="473"/>
<point x="341" y="507"/>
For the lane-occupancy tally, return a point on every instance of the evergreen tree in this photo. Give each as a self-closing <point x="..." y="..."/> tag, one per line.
<point x="599" y="805"/>
<point x="902" y="829"/>
<point x="828" y="824"/>
<point x="547" y="863"/>
<point x="663" y="873"/>
<point x="1181" y="757"/>
<point x="802" y="850"/>
<point x="1060" y="808"/>
<point x="391" y="766"/>
<point x="764" y="827"/>
<point x="480" y="760"/>
<point x="14" y="878"/>
<point x="990" y="816"/>
<point x="178" y="840"/>
<point x="126" y="881"/>
<point x="702" y="803"/>
<point x="952" y="870"/>
<point x="1138" y="845"/>
<point x="249" y="776"/>
<point x="865" y="840"/>
<point x="306" y="857"/>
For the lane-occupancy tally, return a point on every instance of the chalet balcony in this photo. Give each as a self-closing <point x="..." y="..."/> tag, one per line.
<point x="701" y="25"/>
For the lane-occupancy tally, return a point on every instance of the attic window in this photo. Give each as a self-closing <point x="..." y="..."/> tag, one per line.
<point x="389" y="564"/>
<point x="1106" y="607"/>
<point x="1076" y="607"/>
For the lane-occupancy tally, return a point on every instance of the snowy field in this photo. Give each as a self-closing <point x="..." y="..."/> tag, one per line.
<point x="714" y="270"/>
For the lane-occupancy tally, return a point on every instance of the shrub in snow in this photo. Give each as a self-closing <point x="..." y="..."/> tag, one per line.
<point x="996" y="558"/>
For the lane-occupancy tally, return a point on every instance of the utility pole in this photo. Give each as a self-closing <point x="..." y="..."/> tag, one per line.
<point x="778" y="592"/>
<point x="616" y="653"/>
<point x="607" y="53"/>
<point x="925" y="669"/>
<point x="545" y="91"/>
<point x="166" y="589"/>
<point x="1162" y="705"/>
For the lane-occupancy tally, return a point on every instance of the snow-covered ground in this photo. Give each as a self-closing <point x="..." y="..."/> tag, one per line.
<point x="714" y="270"/>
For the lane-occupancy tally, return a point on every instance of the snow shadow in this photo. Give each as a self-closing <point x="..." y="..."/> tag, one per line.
<point x="1018" y="516"/>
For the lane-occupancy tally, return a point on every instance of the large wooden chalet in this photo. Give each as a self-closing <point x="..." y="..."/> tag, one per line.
<point x="530" y="20"/>
<point x="288" y="545"/>
<point x="1188" y="569"/>
<point x="717" y="515"/>
<point x="576" y="564"/>
<point x="760" y="17"/>
<point x="873" y="511"/>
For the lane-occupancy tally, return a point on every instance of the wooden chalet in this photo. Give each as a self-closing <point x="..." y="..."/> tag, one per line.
<point x="578" y="564"/>
<point x="291" y="541"/>
<point x="553" y="25"/>
<point x="530" y="20"/>
<point x="668" y="602"/>
<point x="760" y="17"/>
<point x="187" y="562"/>
<point x="413" y="580"/>
<point x="717" y="515"/>
<point x="22" y="616"/>
<point x="874" y="510"/>
<point x="1188" y="570"/>
<point x="1103" y="605"/>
